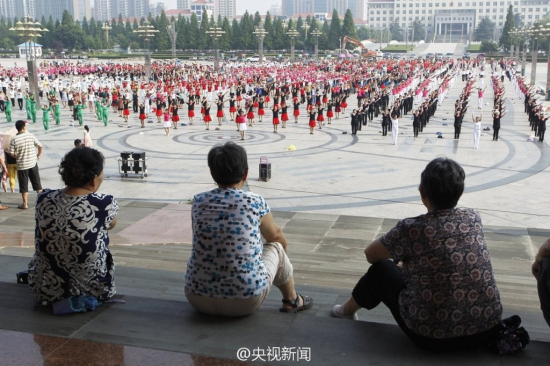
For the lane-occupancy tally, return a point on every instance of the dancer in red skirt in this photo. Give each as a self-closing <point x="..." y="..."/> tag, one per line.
<point x="142" y="116"/>
<point x="203" y="106"/>
<point x="343" y="103"/>
<point x="296" y="113"/>
<point x="275" y="110"/>
<point x="241" y="123"/>
<point x="337" y="108"/>
<point x="284" y="113"/>
<point x="320" y="117"/>
<point x="250" y="115"/>
<point x="219" y="113"/>
<point x="126" y="110"/>
<point x="190" y="109"/>
<point x="312" y="123"/>
<point x="207" y="118"/>
<point x="261" y="112"/>
<point x="256" y="104"/>
<point x="330" y="114"/>
<point x="175" y="116"/>
<point x="232" y="109"/>
<point x="325" y="99"/>
<point x="159" y="110"/>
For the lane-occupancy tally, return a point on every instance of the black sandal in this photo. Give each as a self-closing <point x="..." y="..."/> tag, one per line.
<point x="307" y="302"/>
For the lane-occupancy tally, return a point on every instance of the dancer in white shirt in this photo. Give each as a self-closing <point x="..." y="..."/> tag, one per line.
<point x="477" y="130"/>
<point x="394" y="128"/>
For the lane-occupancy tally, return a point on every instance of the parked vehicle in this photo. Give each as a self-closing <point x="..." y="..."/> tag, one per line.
<point x="255" y="58"/>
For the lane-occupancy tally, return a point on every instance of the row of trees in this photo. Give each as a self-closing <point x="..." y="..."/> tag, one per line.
<point x="67" y="34"/>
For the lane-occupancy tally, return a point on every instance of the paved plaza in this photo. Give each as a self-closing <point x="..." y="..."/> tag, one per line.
<point x="332" y="195"/>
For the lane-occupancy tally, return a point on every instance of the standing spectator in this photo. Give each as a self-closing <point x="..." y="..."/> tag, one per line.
<point x="23" y="147"/>
<point x="3" y="174"/>
<point x="87" y="138"/>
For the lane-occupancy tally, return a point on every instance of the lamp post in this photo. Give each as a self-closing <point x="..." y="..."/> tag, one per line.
<point x="305" y="27"/>
<point x="316" y="33"/>
<point x="536" y="31"/>
<point x="30" y="31"/>
<point x="260" y="32"/>
<point x="147" y="31"/>
<point x="292" y="33"/>
<point x="106" y="27"/>
<point x="512" y="33"/>
<point x="216" y="33"/>
<point x="173" y="37"/>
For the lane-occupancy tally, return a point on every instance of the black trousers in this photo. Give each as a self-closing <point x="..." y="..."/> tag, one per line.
<point x="354" y="127"/>
<point x="543" y="284"/>
<point x="457" y="131"/>
<point x="383" y="282"/>
<point x="2" y="106"/>
<point x="495" y="132"/>
<point x="20" y="103"/>
<point x="541" y="135"/>
<point x="415" y="130"/>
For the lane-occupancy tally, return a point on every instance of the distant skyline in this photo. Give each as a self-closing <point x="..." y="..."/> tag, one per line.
<point x="242" y="5"/>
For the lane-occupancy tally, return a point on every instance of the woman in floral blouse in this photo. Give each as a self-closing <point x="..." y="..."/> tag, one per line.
<point x="433" y="271"/>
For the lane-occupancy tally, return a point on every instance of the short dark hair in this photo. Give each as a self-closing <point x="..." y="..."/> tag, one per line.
<point x="80" y="166"/>
<point x="442" y="182"/>
<point x="228" y="163"/>
<point x="19" y="125"/>
<point x="77" y="142"/>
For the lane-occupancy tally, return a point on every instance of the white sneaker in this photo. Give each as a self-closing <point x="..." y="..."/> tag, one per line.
<point x="337" y="314"/>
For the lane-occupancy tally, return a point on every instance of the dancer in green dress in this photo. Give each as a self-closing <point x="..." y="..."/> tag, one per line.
<point x="105" y="107"/>
<point x="46" y="116"/>
<point x="33" y="108"/>
<point x="7" y="110"/>
<point x="28" y="106"/>
<point x="56" y="112"/>
<point x="98" y="109"/>
<point x="79" y="107"/>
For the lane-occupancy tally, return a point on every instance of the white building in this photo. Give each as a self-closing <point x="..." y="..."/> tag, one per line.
<point x="32" y="48"/>
<point x="202" y="8"/>
<point x="102" y="10"/>
<point x="451" y="18"/>
<point x="183" y="4"/>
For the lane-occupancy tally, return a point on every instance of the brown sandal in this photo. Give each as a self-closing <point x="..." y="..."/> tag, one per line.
<point x="307" y="302"/>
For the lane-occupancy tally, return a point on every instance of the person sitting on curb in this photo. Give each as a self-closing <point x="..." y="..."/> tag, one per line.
<point x="230" y="271"/>
<point x="433" y="271"/>
<point x="541" y="271"/>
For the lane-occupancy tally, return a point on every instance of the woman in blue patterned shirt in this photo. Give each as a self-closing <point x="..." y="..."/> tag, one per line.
<point x="230" y="271"/>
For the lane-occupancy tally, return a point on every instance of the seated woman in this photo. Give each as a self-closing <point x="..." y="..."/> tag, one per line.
<point x="230" y="271"/>
<point x="71" y="256"/>
<point x="541" y="271"/>
<point x="440" y="286"/>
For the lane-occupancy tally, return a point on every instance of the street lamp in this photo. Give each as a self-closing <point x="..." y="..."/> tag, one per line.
<point x="30" y="31"/>
<point x="305" y="27"/>
<point x="513" y="34"/>
<point x="106" y="28"/>
<point x="260" y="32"/>
<point x="316" y="33"/>
<point x="146" y="31"/>
<point x="537" y="30"/>
<point x="216" y="33"/>
<point x="292" y="33"/>
<point x="173" y="37"/>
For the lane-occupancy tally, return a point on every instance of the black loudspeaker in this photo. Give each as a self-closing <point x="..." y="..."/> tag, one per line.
<point x="265" y="172"/>
<point x="125" y="155"/>
<point x="138" y="155"/>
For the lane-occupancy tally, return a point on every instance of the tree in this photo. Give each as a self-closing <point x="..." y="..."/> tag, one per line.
<point x="67" y="19"/>
<point x="418" y="31"/>
<point x="162" y="40"/>
<point x="348" y="27"/>
<point x="363" y="33"/>
<point x="518" y="21"/>
<point x="194" y="32"/>
<point x="268" y="26"/>
<point x="505" y="40"/>
<point x="484" y="30"/>
<point x="396" y="32"/>
<point x="335" y="32"/>
<point x="488" y="46"/>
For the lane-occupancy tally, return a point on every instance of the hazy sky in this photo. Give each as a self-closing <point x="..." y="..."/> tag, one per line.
<point x="242" y="5"/>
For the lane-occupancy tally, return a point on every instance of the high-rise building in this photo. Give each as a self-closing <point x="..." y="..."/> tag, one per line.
<point x="80" y="9"/>
<point x="183" y="4"/>
<point x="275" y="10"/>
<point x="102" y="10"/>
<point x="53" y="8"/>
<point x="119" y="8"/>
<point x="17" y="8"/>
<point x="225" y="8"/>
<point x="138" y="8"/>
<point x="202" y="8"/>
<point x="291" y="7"/>
<point x="156" y="9"/>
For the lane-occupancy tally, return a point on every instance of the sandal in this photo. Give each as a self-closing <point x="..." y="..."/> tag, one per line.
<point x="3" y="207"/>
<point x="307" y="302"/>
<point x="21" y="207"/>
